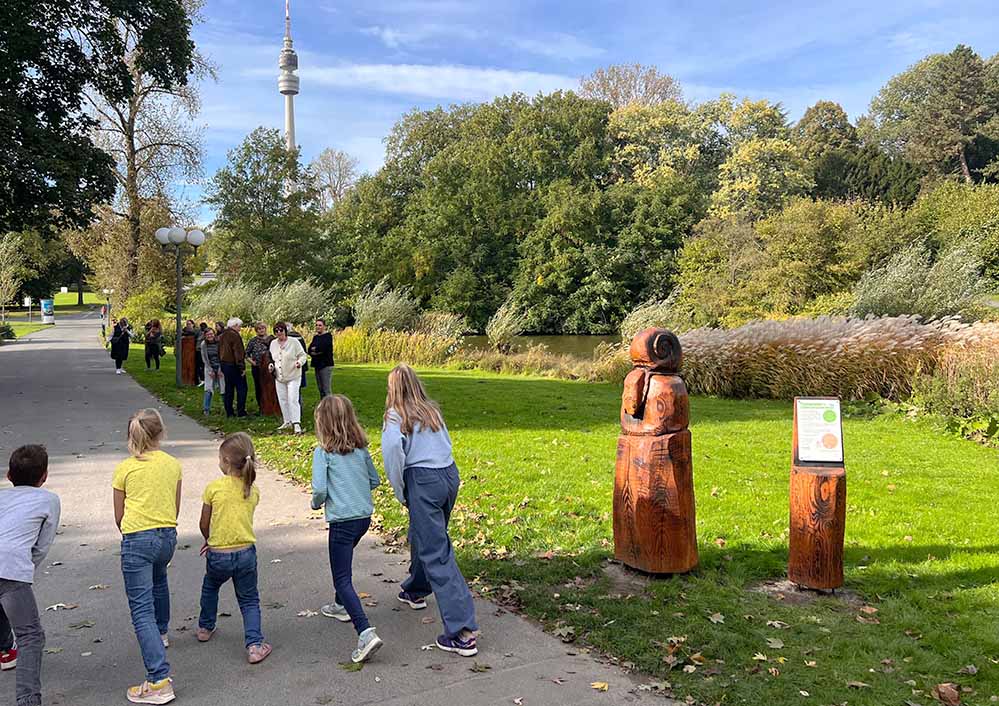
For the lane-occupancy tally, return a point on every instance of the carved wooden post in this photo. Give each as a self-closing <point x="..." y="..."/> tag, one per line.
<point x="188" y="351"/>
<point x="818" y="495"/>
<point x="268" y="401"/>
<point x="654" y="523"/>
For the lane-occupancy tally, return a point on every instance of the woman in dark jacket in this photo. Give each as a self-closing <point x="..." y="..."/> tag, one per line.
<point x="154" y="343"/>
<point x="120" y="341"/>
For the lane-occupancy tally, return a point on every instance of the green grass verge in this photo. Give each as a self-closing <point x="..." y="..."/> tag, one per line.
<point x="533" y="526"/>
<point x="22" y="329"/>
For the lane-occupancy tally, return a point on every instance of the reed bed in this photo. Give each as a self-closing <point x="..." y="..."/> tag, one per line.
<point x="355" y="345"/>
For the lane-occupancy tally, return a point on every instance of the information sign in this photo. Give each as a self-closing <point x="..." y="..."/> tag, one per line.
<point x="819" y="423"/>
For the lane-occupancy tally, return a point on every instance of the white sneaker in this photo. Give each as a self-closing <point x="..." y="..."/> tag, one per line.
<point x="284" y="426"/>
<point x="118" y="371"/>
<point x="336" y="611"/>
<point x="298" y="429"/>
<point x="368" y="643"/>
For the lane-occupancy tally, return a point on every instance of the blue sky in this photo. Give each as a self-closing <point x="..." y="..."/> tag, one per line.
<point x="366" y="62"/>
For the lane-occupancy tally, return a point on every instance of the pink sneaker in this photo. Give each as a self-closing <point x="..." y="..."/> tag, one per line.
<point x="257" y="653"/>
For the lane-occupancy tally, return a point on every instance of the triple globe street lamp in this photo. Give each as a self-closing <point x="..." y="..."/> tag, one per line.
<point x="177" y="237"/>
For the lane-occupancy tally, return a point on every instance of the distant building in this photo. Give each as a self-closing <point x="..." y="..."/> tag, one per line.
<point x="288" y="82"/>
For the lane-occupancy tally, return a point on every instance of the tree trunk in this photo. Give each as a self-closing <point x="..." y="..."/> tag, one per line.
<point x="132" y="196"/>
<point x="79" y="289"/>
<point x="964" y="165"/>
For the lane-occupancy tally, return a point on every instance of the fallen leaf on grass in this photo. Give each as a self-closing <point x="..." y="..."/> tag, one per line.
<point x="760" y="657"/>
<point x="775" y="643"/>
<point x="868" y="621"/>
<point x="351" y="666"/>
<point x="947" y="693"/>
<point x="566" y="633"/>
<point x="689" y="669"/>
<point x="780" y="625"/>
<point x="82" y="624"/>
<point x="810" y="663"/>
<point x="600" y="686"/>
<point x="858" y="685"/>
<point x="63" y="606"/>
<point x="869" y="609"/>
<point x="479" y="668"/>
<point x="306" y="613"/>
<point x="98" y="587"/>
<point x="716" y="618"/>
<point x="969" y="669"/>
<point x="803" y="692"/>
<point x="774" y="672"/>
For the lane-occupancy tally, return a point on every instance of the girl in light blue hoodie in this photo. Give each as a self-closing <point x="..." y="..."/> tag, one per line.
<point x="343" y="476"/>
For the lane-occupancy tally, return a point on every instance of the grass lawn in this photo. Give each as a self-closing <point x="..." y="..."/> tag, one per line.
<point x="23" y="328"/>
<point x="64" y="304"/>
<point x="533" y="527"/>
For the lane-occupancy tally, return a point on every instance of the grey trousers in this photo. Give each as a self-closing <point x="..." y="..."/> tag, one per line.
<point x="431" y="494"/>
<point x="324" y="379"/>
<point x="19" y="611"/>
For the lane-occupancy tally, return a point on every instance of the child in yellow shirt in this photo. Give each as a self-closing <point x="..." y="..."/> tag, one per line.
<point x="146" y="504"/>
<point x="230" y="545"/>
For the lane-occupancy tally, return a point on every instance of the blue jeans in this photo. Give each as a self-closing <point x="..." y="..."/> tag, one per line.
<point x="241" y="567"/>
<point x="212" y="385"/>
<point x="144" y="559"/>
<point x="430" y="495"/>
<point x="344" y="536"/>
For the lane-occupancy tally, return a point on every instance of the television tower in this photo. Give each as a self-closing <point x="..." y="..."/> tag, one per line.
<point x="288" y="82"/>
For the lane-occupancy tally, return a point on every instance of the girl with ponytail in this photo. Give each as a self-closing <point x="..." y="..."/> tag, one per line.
<point x="230" y="545"/>
<point x="146" y="503"/>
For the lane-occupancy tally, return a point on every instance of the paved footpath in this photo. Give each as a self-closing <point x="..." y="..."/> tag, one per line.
<point x="58" y="387"/>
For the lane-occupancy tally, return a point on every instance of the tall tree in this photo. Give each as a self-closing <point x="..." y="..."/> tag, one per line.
<point x="51" y="52"/>
<point x="11" y="264"/>
<point x="149" y="134"/>
<point x="622" y="84"/>
<point x="334" y="172"/>
<point x="934" y="110"/>
<point x="267" y="227"/>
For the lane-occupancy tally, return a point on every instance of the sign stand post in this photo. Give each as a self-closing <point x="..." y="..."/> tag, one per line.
<point x="818" y="494"/>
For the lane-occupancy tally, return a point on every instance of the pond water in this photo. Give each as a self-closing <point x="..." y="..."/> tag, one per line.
<point x="580" y="346"/>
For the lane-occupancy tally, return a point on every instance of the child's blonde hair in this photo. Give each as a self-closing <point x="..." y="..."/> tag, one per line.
<point x="239" y="459"/>
<point x="408" y="398"/>
<point x="145" y="432"/>
<point x="337" y="428"/>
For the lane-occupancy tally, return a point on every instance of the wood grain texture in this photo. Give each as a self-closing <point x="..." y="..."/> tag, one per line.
<point x="654" y="516"/>
<point x="818" y="524"/>
<point x="268" y="401"/>
<point x="665" y="410"/>
<point x="188" y="353"/>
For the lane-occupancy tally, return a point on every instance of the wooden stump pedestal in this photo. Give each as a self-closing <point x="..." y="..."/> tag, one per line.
<point x="818" y="525"/>
<point x="188" y="352"/>
<point x="268" y="401"/>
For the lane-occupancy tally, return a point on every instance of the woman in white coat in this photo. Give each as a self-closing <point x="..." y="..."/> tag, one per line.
<point x="288" y="357"/>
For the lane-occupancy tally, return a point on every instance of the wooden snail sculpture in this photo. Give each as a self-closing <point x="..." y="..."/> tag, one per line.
<point x="654" y="519"/>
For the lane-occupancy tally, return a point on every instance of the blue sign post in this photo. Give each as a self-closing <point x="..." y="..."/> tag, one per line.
<point x="48" y="311"/>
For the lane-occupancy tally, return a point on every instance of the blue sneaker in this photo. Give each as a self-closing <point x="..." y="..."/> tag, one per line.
<point x="465" y="648"/>
<point x="412" y="600"/>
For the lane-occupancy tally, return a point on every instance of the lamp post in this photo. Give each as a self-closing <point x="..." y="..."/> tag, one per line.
<point x="107" y="315"/>
<point x="177" y="237"/>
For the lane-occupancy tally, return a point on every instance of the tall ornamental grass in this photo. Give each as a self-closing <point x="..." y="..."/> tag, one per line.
<point x="297" y="303"/>
<point x="357" y="345"/>
<point x="849" y="358"/>
<point x="381" y="308"/>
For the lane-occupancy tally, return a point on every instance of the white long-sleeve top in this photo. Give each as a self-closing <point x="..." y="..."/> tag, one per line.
<point x="288" y="359"/>
<point x="421" y="449"/>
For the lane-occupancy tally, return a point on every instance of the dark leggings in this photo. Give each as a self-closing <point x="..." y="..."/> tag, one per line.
<point x="153" y="353"/>
<point x="117" y="363"/>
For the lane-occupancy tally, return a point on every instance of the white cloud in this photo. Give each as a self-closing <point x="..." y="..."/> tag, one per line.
<point x="557" y="46"/>
<point x="452" y="82"/>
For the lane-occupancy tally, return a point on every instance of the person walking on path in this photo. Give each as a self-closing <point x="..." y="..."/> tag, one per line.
<point x="343" y="476"/>
<point x="147" y="488"/>
<point x="29" y="518"/>
<point x="230" y="547"/>
<point x="232" y="356"/>
<point x="288" y="356"/>
<point x="416" y="448"/>
<point x="321" y="350"/>
<point x="121" y="339"/>
<point x="255" y="350"/>
<point x="208" y="353"/>
<point x="154" y="343"/>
